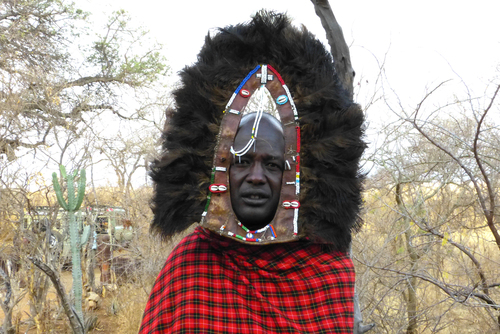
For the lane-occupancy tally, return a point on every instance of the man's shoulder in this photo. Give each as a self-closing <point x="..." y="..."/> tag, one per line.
<point x="195" y="242"/>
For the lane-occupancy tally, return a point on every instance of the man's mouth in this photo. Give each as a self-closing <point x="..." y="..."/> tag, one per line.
<point x="255" y="199"/>
<point x="255" y="196"/>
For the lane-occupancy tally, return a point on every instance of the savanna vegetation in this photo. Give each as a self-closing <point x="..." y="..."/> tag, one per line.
<point x="92" y="96"/>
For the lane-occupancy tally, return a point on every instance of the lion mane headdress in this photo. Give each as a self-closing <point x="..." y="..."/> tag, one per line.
<point x="323" y="129"/>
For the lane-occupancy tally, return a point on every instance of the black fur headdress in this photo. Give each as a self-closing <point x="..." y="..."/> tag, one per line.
<point x="330" y="125"/>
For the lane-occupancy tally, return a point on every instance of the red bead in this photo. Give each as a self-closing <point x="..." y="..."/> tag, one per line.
<point x="244" y="93"/>
<point x="291" y="204"/>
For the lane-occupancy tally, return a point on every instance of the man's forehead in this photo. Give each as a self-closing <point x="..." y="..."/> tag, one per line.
<point x="269" y="136"/>
<point x="248" y="120"/>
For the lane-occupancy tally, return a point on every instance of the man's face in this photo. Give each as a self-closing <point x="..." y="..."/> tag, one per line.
<point x="255" y="180"/>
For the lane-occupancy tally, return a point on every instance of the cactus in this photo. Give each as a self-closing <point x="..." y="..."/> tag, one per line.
<point x="76" y="241"/>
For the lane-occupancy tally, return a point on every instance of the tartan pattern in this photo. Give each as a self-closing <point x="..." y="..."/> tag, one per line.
<point x="212" y="284"/>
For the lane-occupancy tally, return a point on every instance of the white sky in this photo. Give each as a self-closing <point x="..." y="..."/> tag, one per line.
<point x="426" y="41"/>
<point x="422" y="37"/>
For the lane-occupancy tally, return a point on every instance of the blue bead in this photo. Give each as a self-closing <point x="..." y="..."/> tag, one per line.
<point x="282" y="99"/>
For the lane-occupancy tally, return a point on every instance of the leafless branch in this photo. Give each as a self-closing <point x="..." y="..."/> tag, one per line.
<point x="76" y="325"/>
<point x="89" y="80"/>
<point x="338" y="46"/>
<point x="486" y="178"/>
<point x="469" y="173"/>
<point x="460" y="294"/>
<point x="463" y="249"/>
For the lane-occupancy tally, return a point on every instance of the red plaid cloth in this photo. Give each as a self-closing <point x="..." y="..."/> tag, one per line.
<point x="212" y="284"/>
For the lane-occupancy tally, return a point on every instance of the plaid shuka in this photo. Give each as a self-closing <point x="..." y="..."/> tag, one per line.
<point x="212" y="284"/>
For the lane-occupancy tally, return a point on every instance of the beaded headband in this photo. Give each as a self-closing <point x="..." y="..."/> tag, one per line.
<point x="218" y="215"/>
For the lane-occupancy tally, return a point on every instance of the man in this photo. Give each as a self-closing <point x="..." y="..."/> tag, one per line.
<point x="255" y="178"/>
<point x="277" y="199"/>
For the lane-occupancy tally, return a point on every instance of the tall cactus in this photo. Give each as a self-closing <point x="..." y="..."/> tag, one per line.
<point x="71" y="206"/>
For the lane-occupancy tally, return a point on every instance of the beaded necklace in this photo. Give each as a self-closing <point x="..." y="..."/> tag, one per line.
<point x="251" y="234"/>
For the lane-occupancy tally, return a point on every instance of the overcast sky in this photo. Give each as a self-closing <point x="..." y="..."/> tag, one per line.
<point x="426" y="40"/>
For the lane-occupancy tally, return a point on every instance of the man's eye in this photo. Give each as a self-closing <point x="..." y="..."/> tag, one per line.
<point x="241" y="162"/>
<point x="274" y="165"/>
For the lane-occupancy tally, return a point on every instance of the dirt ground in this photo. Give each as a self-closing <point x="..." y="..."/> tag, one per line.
<point x="119" y="311"/>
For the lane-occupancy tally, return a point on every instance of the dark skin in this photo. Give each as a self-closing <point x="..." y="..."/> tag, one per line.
<point x="255" y="180"/>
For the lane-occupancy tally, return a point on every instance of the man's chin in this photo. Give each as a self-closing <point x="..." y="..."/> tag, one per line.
<point x="252" y="218"/>
<point x="252" y="226"/>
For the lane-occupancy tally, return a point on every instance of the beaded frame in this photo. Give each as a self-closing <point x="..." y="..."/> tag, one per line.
<point x="218" y="215"/>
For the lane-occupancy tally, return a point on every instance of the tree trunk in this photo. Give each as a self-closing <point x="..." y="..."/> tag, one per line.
<point x="411" y="283"/>
<point x="338" y="46"/>
<point x="6" y="307"/>
<point x="91" y="257"/>
<point x="343" y="67"/>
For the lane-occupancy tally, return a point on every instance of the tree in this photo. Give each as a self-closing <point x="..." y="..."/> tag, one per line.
<point x="341" y="55"/>
<point x="431" y="251"/>
<point x="61" y="85"/>
<point x="48" y="82"/>
<point x="434" y="189"/>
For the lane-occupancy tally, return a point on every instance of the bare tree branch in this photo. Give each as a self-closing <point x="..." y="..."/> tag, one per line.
<point x="453" y="291"/>
<point x="89" y="80"/>
<point x="481" y="198"/>
<point x="76" y="325"/>
<point x="338" y="46"/>
<point x="491" y="194"/>
<point x="463" y="249"/>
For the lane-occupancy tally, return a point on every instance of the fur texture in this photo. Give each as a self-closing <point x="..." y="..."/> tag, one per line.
<point x="331" y="128"/>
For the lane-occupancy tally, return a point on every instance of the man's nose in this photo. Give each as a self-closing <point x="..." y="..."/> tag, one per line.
<point x="256" y="174"/>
